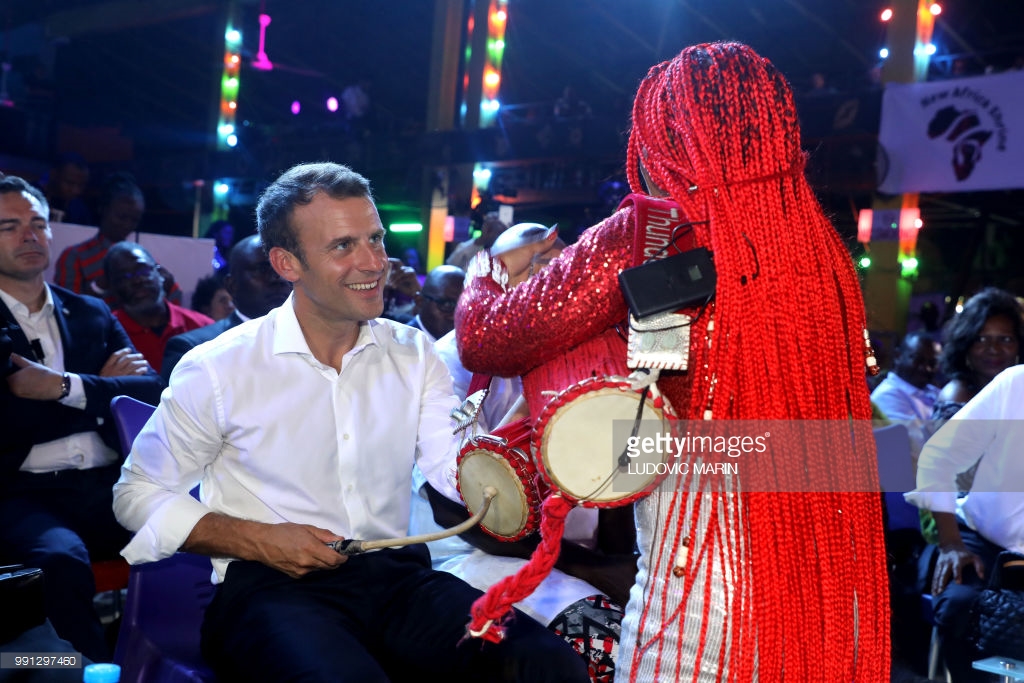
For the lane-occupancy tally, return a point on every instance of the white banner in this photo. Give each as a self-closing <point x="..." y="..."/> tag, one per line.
<point x="188" y="259"/>
<point x="953" y="136"/>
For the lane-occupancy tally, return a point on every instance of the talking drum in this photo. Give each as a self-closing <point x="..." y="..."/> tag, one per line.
<point x="499" y="460"/>
<point x="597" y="448"/>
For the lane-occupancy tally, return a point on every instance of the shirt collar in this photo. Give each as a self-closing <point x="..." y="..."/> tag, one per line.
<point x="175" y="318"/>
<point x="288" y="336"/>
<point x="20" y="309"/>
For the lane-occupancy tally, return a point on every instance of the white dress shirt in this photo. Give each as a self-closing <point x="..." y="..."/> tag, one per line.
<point x="991" y="426"/>
<point x="273" y="435"/>
<point x="75" y="451"/>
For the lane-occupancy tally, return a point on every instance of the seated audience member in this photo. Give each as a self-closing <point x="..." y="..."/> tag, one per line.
<point x="148" y="317"/>
<point x="256" y="289"/>
<point x="80" y="266"/>
<point x="65" y="357"/>
<point x="978" y="344"/>
<point x="67" y="182"/>
<point x="490" y="228"/>
<point x="212" y="298"/>
<point x="907" y="394"/>
<point x="972" y="532"/>
<point x="582" y="598"/>
<point x="282" y="480"/>
<point x="435" y="304"/>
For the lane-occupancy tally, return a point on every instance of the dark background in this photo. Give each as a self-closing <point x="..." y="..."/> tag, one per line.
<point x="133" y="85"/>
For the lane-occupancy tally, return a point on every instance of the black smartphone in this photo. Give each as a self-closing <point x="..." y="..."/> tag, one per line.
<point x="679" y="281"/>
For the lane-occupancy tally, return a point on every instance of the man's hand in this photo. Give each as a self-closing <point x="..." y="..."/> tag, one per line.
<point x="402" y="279"/>
<point x="34" y="381"/>
<point x="124" y="362"/>
<point x="297" y="549"/>
<point x="950" y="566"/>
<point x="294" y="549"/>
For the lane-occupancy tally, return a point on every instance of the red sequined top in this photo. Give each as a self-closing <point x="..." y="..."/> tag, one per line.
<point x="566" y="323"/>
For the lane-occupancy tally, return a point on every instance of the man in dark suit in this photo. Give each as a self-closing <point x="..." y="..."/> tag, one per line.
<point x="255" y="287"/>
<point x="64" y="358"/>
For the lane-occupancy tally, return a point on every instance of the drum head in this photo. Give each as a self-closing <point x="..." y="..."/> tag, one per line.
<point x="583" y="440"/>
<point x="510" y="517"/>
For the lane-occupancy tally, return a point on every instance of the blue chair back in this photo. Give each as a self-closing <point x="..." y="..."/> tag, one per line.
<point x="130" y="416"/>
<point x="896" y="475"/>
<point x="159" y="636"/>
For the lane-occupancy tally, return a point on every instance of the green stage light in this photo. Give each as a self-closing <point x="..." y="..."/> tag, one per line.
<point x="405" y="227"/>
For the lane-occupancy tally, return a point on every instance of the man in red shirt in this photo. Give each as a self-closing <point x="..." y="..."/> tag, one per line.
<point x="143" y="309"/>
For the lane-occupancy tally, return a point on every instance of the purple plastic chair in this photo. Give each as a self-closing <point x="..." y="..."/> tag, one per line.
<point x="896" y="475"/>
<point x="159" y="637"/>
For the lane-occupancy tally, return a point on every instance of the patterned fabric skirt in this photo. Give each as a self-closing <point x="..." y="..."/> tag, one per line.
<point x="592" y="626"/>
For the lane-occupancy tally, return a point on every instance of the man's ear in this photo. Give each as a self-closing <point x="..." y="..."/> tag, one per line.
<point x="229" y="284"/>
<point x="286" y="264"/>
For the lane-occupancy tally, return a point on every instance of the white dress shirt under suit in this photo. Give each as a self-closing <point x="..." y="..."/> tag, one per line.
<point x="273" y="435"/>
<point x="79" y="451"/>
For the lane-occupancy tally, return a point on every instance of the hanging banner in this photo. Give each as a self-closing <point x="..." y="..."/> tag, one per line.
<point x="953" y="136"/>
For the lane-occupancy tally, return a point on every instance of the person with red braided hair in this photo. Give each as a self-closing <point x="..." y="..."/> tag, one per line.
<point x="736" y="582"/>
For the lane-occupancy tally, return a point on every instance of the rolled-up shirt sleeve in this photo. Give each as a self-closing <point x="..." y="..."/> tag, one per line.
<point x="167" y="460"/>
<point x="954" y="448"/>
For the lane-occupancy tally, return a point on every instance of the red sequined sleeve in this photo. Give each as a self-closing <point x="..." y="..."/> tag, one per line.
<point x="572" y="300"/>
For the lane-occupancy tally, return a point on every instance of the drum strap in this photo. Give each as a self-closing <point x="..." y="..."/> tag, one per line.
<point x="658" y="342"/>
<point x="478" y="382"/>
<point x="660" y="228"/>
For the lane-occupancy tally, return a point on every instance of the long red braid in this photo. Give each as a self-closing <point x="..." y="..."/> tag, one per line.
<point x="717" y="129"/>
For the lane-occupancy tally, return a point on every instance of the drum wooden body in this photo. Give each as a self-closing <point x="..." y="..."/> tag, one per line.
<point x="580" y="438"/>
<point x="502" y="460"/>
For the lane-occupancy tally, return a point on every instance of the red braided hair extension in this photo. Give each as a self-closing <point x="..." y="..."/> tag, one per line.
<point x="716" y="129"/>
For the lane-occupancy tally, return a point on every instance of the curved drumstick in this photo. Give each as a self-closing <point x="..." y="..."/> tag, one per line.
<point x="351" y="546"/>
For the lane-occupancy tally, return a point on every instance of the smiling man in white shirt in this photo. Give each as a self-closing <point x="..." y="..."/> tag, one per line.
<point x="302" y="428"/>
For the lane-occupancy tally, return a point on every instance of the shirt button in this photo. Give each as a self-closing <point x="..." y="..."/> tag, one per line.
<point x="349" y="488"/>
<point x="345" y="436"/>
<point x="78" y="458"/>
